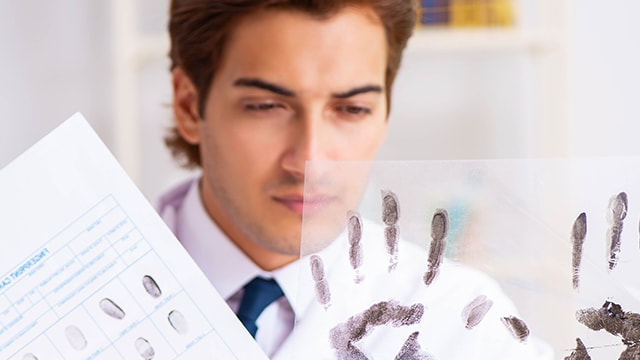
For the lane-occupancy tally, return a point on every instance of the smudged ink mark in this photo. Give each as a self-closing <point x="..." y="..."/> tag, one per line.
<point x="112" y="309"/>
<point x="151" y="286"/>
<point x="411" y="350"/>
<point x="617" y="211"/>
<point x="390" y="209"/>
<point x="144" y="348"/>
<point x="474" y="312"/>
<point x="615" y="321"/>
<point x="390" y="216"/>
<point x="578" y="235"/>
<point x="75" y="337"/>
<point x="178" y="322"/>
<point x="29" y="356"/>
<point x="439" y="230"/>
<point x="350" y="353"/>
<point x="391" y="235"/>
<point x="630" y="353"/>
<point x="517" y="327"/>
<point x="354" y="231"/>
<point x="323" y="295"/>
<point x="344" y="335"/>
<point x="580" y="353"/>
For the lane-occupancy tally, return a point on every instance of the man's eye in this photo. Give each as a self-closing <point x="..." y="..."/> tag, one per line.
<point x="354" y="110"/>
<point x="262" y="106"/>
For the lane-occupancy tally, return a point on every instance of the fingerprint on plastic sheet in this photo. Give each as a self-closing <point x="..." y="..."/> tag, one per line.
<point x="354" y="231"/>
<point x="390" y="216"/>
<point x="517" y="327"/>
<point x="475" y="311"/>
<point x="578" y="234"/>
<point x="617" y="212"/>
<point x="580" y="353"/>
<point x="323" y="295"/>
<point x="439" y="230"/>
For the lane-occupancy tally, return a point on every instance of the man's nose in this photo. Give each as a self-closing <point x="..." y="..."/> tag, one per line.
<point x="308" y="140"/>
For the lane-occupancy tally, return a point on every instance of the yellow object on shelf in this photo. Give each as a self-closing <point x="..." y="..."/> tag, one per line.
<point x="467" y="13"/>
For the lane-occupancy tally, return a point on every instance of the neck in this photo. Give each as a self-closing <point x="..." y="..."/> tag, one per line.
<point x="265" y="259"/>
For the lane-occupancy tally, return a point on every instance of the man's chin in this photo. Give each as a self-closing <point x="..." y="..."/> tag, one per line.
<point x="289" y="247"/>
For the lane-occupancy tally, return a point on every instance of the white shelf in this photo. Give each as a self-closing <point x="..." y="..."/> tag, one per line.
<point x="151" y="47"/>
<point x="424" y="40"/>
<point x="451" y="40"/>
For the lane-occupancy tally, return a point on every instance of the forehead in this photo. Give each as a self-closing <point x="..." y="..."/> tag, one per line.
<point x="302" y="50"/>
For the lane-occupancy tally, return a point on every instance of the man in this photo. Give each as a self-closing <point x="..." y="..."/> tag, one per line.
<point x="261" y="87"/>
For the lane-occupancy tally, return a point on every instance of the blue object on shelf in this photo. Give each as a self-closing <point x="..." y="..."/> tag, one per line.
<point x="434" y="12"/>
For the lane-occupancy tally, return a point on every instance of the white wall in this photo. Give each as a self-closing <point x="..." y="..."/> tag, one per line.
<point x="467" y="105"/>
<point x="604" y="75"/>
<point x="54" y="61"/>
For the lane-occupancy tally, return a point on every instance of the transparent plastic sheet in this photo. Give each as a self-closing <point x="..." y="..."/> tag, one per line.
<point x="525" y="225"/>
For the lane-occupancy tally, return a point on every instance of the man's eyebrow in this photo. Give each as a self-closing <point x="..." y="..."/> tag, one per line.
<point x="358" y="90"/>
<point x="264" y="85"/>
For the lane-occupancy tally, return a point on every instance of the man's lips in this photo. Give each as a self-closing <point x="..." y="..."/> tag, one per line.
<point x="297" y="203"/>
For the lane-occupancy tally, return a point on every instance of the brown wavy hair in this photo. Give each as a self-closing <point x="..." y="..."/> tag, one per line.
<point x="199" y="30"/>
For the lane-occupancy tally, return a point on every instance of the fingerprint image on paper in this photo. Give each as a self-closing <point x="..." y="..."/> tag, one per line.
<point x="144" y="348"/>
<point x="151" y="286"/>
<point x="178" y="322"/>
<point x="112" y="309"/>
<point x="75" y="337"/>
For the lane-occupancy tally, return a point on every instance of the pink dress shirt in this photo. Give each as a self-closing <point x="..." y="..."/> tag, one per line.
<point x="228" y="268"/>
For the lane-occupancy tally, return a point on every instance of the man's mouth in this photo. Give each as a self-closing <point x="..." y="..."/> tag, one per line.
<point x="309" y="205"/>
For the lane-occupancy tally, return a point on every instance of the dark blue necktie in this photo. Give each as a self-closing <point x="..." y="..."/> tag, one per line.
<point x="258" y="294"/>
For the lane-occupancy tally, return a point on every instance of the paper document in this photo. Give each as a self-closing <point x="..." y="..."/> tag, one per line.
<point x="88" y="270"/>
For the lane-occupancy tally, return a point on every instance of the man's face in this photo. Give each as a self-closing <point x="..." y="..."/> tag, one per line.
<point x="290" y="88"/>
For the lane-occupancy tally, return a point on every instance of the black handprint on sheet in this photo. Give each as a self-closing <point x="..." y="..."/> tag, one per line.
<point x="610" y="316"/>
<point x="346" y="337"/>
<point x="617" y="212"/>
<point x="439" y="230"/>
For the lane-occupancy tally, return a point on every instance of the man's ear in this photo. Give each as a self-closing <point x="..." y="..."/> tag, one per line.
<point x="185" y="106"/>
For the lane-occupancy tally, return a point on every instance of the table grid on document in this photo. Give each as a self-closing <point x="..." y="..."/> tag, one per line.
<point x="95" y="290"/>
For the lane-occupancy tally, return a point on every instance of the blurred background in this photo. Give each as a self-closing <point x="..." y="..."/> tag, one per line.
<point x="480" y="79"/>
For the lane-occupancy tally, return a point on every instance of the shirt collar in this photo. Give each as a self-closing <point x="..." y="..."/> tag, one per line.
<point x="228" y="268"/>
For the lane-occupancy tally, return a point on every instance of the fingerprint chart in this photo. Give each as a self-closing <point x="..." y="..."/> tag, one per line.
<point x="98" y="290"/>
